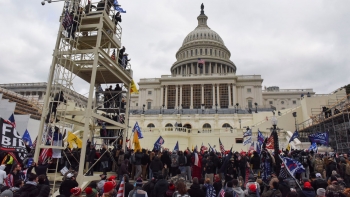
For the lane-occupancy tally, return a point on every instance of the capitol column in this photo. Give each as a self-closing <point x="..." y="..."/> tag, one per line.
<point x="214" y="96"/>
<point x="229" y="96"/>
<point x="180" y="96"/>
<point x="191" y="106"/>
<point x="202" y="94"/>
<point x="210" y="68"/>
<point x="161" y="95"/>
<point x="176" y="96"/>
<point x="234" y="95"/>
<point x="166" y="97"/>
<point x="218" y="94"/>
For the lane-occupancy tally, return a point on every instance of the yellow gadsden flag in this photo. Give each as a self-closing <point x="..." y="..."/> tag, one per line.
<point x="73" y="139"/>
<point x="288" y="148"/>
<point x="133" y="88"/>
<point x="136" y="142"/>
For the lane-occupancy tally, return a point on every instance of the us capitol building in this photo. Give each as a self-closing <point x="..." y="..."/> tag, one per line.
<point x="198" y="104"/>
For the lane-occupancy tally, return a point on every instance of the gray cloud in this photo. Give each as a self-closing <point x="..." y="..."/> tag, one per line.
<point x="293" y="44"/>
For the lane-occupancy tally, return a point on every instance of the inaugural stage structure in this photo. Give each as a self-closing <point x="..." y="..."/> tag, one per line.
<point x="87" y="47"/>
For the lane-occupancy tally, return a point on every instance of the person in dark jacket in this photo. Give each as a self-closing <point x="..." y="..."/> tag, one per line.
<point x="68" y="184"/>
<point x="156" y="166"/>
<point x="104" y="159"/>
<point x="117" y="18"/>
<point x="188" y="164"/>
<point x="330" y="167"/>
<point x="59" y="97"/>
<point x="40" y="169"/>
<point x="123" y="169"/>
<point x="144" y="164"/>
<point x="165" y="158"/>
<point x="91" y="159"/>
<point x="255" y="161"/>
<point x="195" y="189"/>
<point x="307" y="191"/>
<point x="121" y="53"/>
<point x="283" y="187"/>
<point x="44" y="189"/>
<point x="161" y="187"/>
<point x="319" y="182"/>
<point x="217" y="184"/>
<point x="127" y="186"/>
<point x="138" y="168"/>
<point x="30" y="189"/>
<point x="231" y="171"/>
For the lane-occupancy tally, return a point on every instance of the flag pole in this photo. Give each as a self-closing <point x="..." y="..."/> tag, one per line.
<point x="286" y="167"/>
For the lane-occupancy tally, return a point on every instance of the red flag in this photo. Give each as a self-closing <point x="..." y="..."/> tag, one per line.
<point x="270" y="143"/>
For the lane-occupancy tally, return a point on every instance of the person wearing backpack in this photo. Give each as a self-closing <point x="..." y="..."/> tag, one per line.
<point x="318" y="165"/>
<point x="137" y="191"/>
<point x="273" y="190"/>
<point x="174" y="163"/>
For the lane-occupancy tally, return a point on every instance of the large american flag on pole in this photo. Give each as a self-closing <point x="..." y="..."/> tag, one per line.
<point x="121" y="190"/>
<point x="222" y="149"/>
<point x="67" y="20"/>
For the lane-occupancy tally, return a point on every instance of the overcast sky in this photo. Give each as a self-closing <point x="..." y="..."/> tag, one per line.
<point x="292" y="44"/>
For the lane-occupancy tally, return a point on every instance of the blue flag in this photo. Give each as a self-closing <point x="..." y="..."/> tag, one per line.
<point x="159" y="143"/>
<point x="177" y="146"/>
<point x="247" y="141"/>
<point x="319" y="138"/>
<point x="260" y="137"/>
<point x="26" y="138"/>
<point x="138" y="130"/>
<point x="313" y="147"/>
<point x="293" y="165"/>
<point x="294" y="136"/>
<point x="117" y="7"/>
<point x="247" y="133"/>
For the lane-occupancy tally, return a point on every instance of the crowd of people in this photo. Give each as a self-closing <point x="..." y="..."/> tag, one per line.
<point x="186" y="173"/>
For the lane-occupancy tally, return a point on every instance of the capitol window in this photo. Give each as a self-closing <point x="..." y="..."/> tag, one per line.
<point x="211" y="52"/>
<point x="215" y="53"/>
<point x="294" y="102"/>
<point x="249" y="90"/>
<point x="191" y="52"/>
<point x="196" y="51"/>
<point x="200" y="51"/>
<point x="206" y="52"/>
<point x="239" y="140"/>
<point x="282" y="102"/>
<point x="149" y="105"/>
<point x="149" y="92"/>
<point x="270" y="102"/>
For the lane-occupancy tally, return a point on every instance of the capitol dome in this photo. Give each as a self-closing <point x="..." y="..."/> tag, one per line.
<point x="206" y="45"/>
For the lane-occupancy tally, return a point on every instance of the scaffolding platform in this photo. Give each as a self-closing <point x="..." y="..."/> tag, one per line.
<point x="91" y="55"/>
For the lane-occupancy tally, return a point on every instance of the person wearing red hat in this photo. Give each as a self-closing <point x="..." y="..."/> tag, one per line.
<point x="76" y="191"/>
<point x="90" y="192"/>
<point x="108" y="189"/>
<point x="307" y="190"/>
<point x="252" y="190"/>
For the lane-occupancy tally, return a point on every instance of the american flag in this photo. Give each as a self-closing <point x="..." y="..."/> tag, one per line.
<point x="45" y="155"/>
<point x="201" y="62"/>
<point x="283" y="172"/>
<point x="113" y="55"/>
<point x="222" y="149"/>
<point x="67" y="20"/>
<point x="121" y="190"/>
<point x="12" y="121"/>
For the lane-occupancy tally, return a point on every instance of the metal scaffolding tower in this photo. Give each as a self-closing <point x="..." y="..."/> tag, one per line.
<point x="335" y="120"/>
<point x="83" y="50"/>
